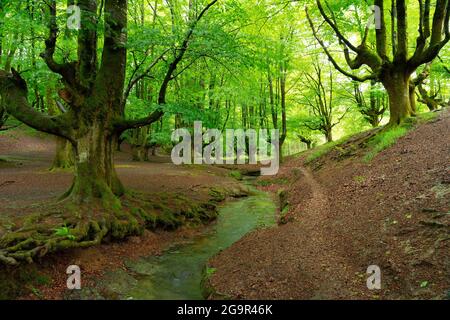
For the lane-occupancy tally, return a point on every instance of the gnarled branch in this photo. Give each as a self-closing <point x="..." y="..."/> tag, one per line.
<point x="438" y="35"/>
<point x="66" y="70"/>
<point x="123" y="125"/>
<point x="13" y="90"/>
<point x="332" y="60"/>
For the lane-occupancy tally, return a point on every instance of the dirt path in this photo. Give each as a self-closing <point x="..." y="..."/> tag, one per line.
<point x="309" y="268"/>
<point x="323" y="239"/>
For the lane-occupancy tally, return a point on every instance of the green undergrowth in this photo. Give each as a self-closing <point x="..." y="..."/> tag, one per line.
<point x="169" y="212"/>
<point x="389" y="136"/>
<point x="236" y="175"/>
<point x="208" y="290"/>
<point x="427" y="117"/>
<point x="269" y="182"/>
<point x="384" y="140"/>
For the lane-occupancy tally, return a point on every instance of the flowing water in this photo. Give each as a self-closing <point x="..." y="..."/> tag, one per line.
<point x="177" y="273"/>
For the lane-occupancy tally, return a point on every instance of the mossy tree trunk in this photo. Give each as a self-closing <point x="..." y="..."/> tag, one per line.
<point x="429" y="100"/>
<point x="139" y="144"/>
<point x="98" y="93"/>
<point x="64" y="157"/>
<point x="397" y="85"/>
<point x="412" y="99"/>
<point x="329" y="135"/>
<point x="3" y="117"/>
<point x="140" y="153"/>
<point x="306" y="140"/>
<point x="95" y="175"/>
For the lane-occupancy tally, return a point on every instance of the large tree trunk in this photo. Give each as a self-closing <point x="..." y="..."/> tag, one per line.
<point x="306" y="141"/>
<point x="64" y="152"/>
<point x="140" y="153"/>
<point x="139" y="145"/>
<point x="398" y="89"/>
<point x="3" y="115"/>
<point x="99" y="104"/>
<point x="329" y="135"/>
<point x="63" y="155"/>
<point x="95" y="175"/>
<point x="374" y="119"/>
<point x="283" y="110"/>
<point x="372" y="114"/>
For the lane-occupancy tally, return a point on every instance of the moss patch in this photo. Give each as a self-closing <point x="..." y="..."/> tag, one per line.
<point x="208" y="290"/>
<point x="269" y="182"/>
<point x="15" y="282"/>
<point x="236" y="175"/>
<point x="390" y="135"/>
<point x="384" y="140"/>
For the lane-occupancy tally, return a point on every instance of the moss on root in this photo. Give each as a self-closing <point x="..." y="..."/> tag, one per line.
<point x="94" y="222"/>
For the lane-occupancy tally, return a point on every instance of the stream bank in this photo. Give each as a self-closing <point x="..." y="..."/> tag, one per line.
<point x="177" y="273"/>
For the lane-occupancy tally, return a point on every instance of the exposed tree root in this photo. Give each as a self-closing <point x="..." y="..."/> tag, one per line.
<point x="65" y="226"/>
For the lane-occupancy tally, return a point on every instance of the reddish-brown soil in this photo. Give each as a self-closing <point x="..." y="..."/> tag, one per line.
<point x="346" y="215"/>
<point x="25" y="180"/>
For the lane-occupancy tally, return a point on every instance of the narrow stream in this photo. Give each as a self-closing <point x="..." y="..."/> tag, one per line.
<point x="177" y="273"/>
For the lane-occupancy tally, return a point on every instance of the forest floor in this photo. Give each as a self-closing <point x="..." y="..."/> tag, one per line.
<point x="345" y="214"/>
<point x="26" y="182"/>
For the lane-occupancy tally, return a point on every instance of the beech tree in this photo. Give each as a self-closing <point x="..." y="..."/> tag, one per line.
<point x="393" y="69"/>
<point x="96" y="93"/>
<point x="322" y="102"/>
